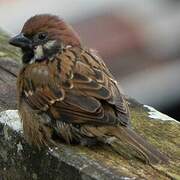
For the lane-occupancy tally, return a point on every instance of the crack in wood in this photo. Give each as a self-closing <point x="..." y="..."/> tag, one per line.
<point x="8" y="71"/>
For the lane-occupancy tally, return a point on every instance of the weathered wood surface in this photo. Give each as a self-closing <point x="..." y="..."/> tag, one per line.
<point x="20" y="161"/>
<point x="9" y="68"/>
<point x="8" y="72"/>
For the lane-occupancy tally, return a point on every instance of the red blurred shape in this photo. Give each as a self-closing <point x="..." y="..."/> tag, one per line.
<point x="112" y="36"/>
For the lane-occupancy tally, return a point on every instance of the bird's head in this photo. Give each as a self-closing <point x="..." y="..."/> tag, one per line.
<point x="43" y="36"/>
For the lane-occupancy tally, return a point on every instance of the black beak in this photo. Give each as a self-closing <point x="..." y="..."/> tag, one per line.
<point x="21" y="41"/>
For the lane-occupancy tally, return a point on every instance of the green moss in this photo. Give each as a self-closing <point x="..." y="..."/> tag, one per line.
<point x="163" y="134"/>
<point x="6" y="50"/>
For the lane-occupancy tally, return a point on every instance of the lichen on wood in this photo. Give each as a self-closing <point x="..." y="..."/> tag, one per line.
<point x="6" y="51"/>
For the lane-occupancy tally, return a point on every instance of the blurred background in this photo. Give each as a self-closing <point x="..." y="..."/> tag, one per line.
<point x="139" y="40"/>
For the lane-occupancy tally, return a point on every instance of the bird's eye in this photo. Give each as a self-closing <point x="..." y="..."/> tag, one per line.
<point x="42" y="36"/>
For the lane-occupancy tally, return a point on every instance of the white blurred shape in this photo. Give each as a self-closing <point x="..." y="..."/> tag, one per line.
<point x="154" y="114"/>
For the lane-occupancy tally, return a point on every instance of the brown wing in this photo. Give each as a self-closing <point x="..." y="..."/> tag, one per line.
<point x="75" y="87"/>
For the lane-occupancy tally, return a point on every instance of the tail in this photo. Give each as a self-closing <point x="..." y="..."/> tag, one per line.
<point x="134" y="145"/>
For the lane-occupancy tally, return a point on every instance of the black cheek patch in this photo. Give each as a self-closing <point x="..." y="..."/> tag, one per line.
<point x="50" y="52"/>
<point x="28" y="54"/>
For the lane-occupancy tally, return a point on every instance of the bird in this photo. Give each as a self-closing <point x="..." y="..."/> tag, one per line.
<point x="66" y="93"/>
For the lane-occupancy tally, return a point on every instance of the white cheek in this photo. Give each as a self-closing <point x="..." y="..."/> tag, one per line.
<point x="50" y="44"/>
<point x="38" y="52"/>
<point x="32" y="61"/>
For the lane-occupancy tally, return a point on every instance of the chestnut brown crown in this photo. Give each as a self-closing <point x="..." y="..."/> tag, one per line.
<point x="43" y="36"/>
<point x="54" y="26"/>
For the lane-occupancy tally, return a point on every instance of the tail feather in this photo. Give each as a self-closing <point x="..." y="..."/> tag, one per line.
<point x="137" y="146"/>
